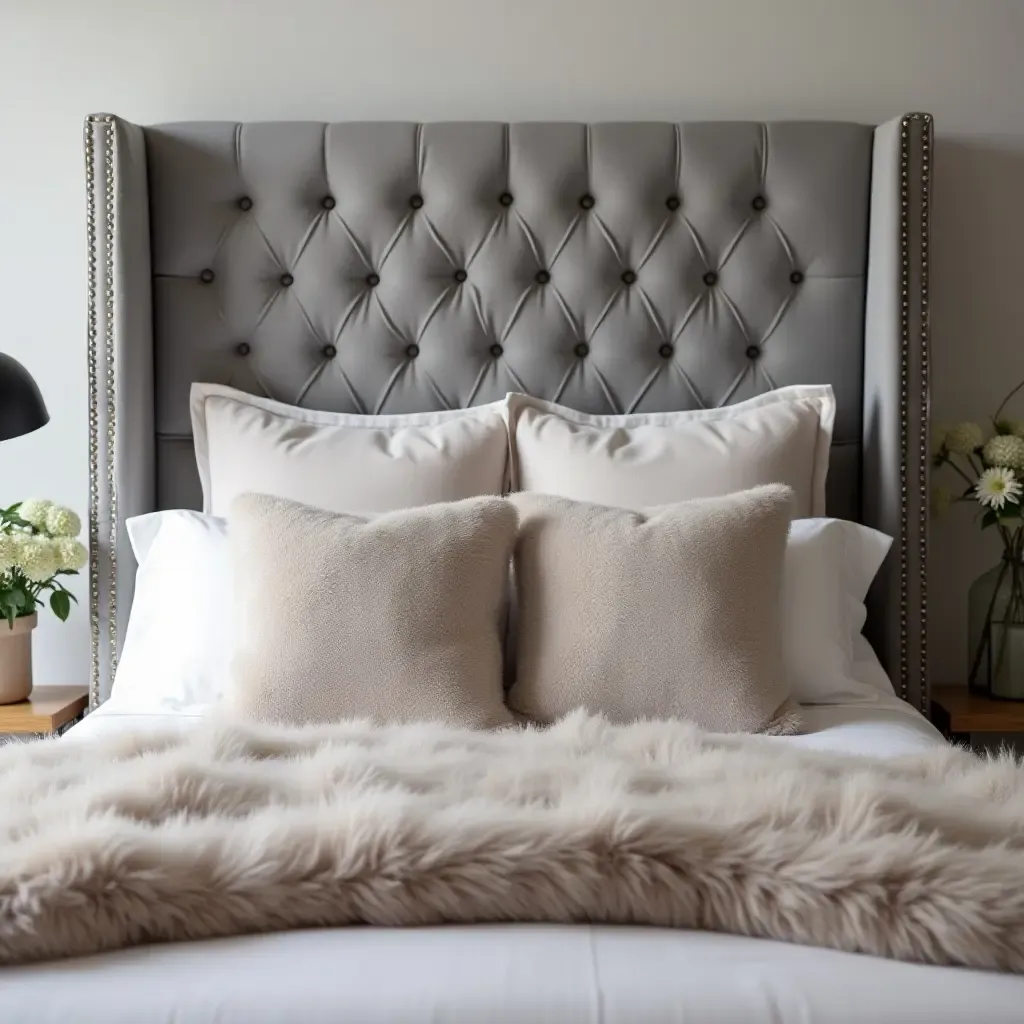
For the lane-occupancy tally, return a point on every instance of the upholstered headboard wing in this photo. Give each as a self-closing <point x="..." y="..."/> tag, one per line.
<point x="390" y="267"/>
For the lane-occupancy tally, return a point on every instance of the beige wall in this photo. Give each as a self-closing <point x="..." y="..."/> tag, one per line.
<point x="152" y="60"/>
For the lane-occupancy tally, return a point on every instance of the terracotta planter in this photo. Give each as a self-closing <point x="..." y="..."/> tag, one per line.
<point x="16" y="659"/>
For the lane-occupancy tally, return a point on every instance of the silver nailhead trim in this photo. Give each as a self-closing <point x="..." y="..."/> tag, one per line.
<point x="93" y="198"/>
<point x="91" y="342"/>
<point x="921" y="442"/>
<point x="925" y="411"/>
<point x="904" y="393"/>
<point x="109" y="164"/>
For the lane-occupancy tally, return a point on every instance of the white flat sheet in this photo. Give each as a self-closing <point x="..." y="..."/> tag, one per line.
<point x="885" y="725"/>
<point x="527" y="974"/>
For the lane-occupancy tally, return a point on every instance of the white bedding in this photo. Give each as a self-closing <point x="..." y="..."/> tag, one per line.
<point x="522" y="973"/>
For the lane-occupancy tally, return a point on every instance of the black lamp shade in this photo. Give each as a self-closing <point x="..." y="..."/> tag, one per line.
<point x="22" y="409"/>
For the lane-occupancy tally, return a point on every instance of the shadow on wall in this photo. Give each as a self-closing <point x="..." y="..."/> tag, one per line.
<point x="977" y="300"/>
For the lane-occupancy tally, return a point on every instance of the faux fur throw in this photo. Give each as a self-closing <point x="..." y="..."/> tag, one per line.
<point x="231" y="829"/>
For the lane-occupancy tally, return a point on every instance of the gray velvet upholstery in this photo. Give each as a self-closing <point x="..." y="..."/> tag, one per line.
<point x="391" y="267"/>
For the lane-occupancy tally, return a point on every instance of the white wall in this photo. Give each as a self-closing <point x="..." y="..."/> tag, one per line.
<point x="153" y="60"/>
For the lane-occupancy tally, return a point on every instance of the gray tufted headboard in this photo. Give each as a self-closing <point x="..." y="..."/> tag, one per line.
<point x="391" y="267"/>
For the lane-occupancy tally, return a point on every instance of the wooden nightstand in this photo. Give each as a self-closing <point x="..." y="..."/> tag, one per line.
<point x="956" y="712"/>
<point x="48" y="710"/>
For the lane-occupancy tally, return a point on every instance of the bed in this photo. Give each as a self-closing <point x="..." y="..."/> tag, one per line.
<point x="221" y="252"/>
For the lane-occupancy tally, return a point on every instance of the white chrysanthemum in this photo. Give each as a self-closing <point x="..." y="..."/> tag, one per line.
<point x="8" y="551"/>
<point x="1004" y="450"/>
<point x="62" y="522"/>
<point x="996" y="487"/>
<point x="36" y="557"/>
<point x="71" y="553"/>
<point x="964" y="438"/>
<point x="35" y="511"/>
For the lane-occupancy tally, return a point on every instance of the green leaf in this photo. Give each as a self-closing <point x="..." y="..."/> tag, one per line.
<point x="9" y="615"/>
<point x="60" y="603"/>
<point x="9" y="600"/>
<point x="989" y="519"/>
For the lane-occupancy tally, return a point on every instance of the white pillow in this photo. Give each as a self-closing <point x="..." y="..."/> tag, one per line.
<point x="868" y="670"/>
<point x="649" y="459"/>
<point x="341" y="461"/>
<point x="177" y="650"/>
<point x="830" y="564"/>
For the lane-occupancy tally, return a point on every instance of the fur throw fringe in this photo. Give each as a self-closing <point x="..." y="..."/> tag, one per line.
<point x="234" y="828"/>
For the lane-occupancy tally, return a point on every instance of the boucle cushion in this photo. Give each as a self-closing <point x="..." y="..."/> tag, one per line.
<point x="396" y="617"/>
<point x="672" y="613"/>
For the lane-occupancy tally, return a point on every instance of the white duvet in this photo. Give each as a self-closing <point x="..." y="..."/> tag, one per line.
<point x="528" y="974"/>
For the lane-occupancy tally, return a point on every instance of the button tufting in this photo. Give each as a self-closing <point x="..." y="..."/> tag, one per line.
<point x="587" y="201"/>
<point x="416" y="201"/>
<point x="372" y="280"/>
<point x="245" y="203"/>
<point x="206" y="276"/>
<point x="629" y="277"/>
<point x="329" y="351"/>
<point x="666" y="351"/>
<point x="753" y="351"/>
<point x="505" y="199"/>
<point x="796" y="277"/>
<point x="460" y="276"/>
<point x="412" y="351"/>
<point x="287" y="280"/>
<point x="496" y="351"/>
<point x="581" y="349"/>
<point x="328" y="202"/>
<point x="543" y="277"/>
<point x="759" y="203"/>
<point x="673" y="202"/>
<point x="710" y="278"/>
<point x="243" y="348"/>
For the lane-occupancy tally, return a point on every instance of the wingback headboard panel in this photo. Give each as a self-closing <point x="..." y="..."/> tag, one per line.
<point x="394" y="267"/>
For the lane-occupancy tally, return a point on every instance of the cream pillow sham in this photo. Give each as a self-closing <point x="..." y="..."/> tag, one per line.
<point x="646" y="459"/>
<point x="672" y="613"/>
<point x="340" y="461"/>
<point x="397" y="618"/>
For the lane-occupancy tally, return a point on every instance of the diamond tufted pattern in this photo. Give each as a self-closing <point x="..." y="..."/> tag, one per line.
<point x="393" y="267"/>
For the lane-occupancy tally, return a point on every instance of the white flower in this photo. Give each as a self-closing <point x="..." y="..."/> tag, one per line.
<point x="36" y="557"/>
<point x="8" y="551"/>
<point x="997" y="486"/>
<point x="62" y="522"/>
<point x="1004" y="450"/>
<point x="964" y="438"/>
<point x="71" y="553"/>
<point x="34" y="511"/>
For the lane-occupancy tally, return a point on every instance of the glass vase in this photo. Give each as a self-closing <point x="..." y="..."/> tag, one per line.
<point x="995" y="611"/>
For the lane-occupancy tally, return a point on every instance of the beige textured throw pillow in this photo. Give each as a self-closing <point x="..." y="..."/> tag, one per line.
<point x="672" y="613"/>
<point x="643" y="459"/>
<point x="395" y="617"/>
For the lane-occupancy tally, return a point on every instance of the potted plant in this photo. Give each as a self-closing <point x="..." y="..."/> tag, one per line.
<point x="990" y="465"/>
<point x="38" y="545"/>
